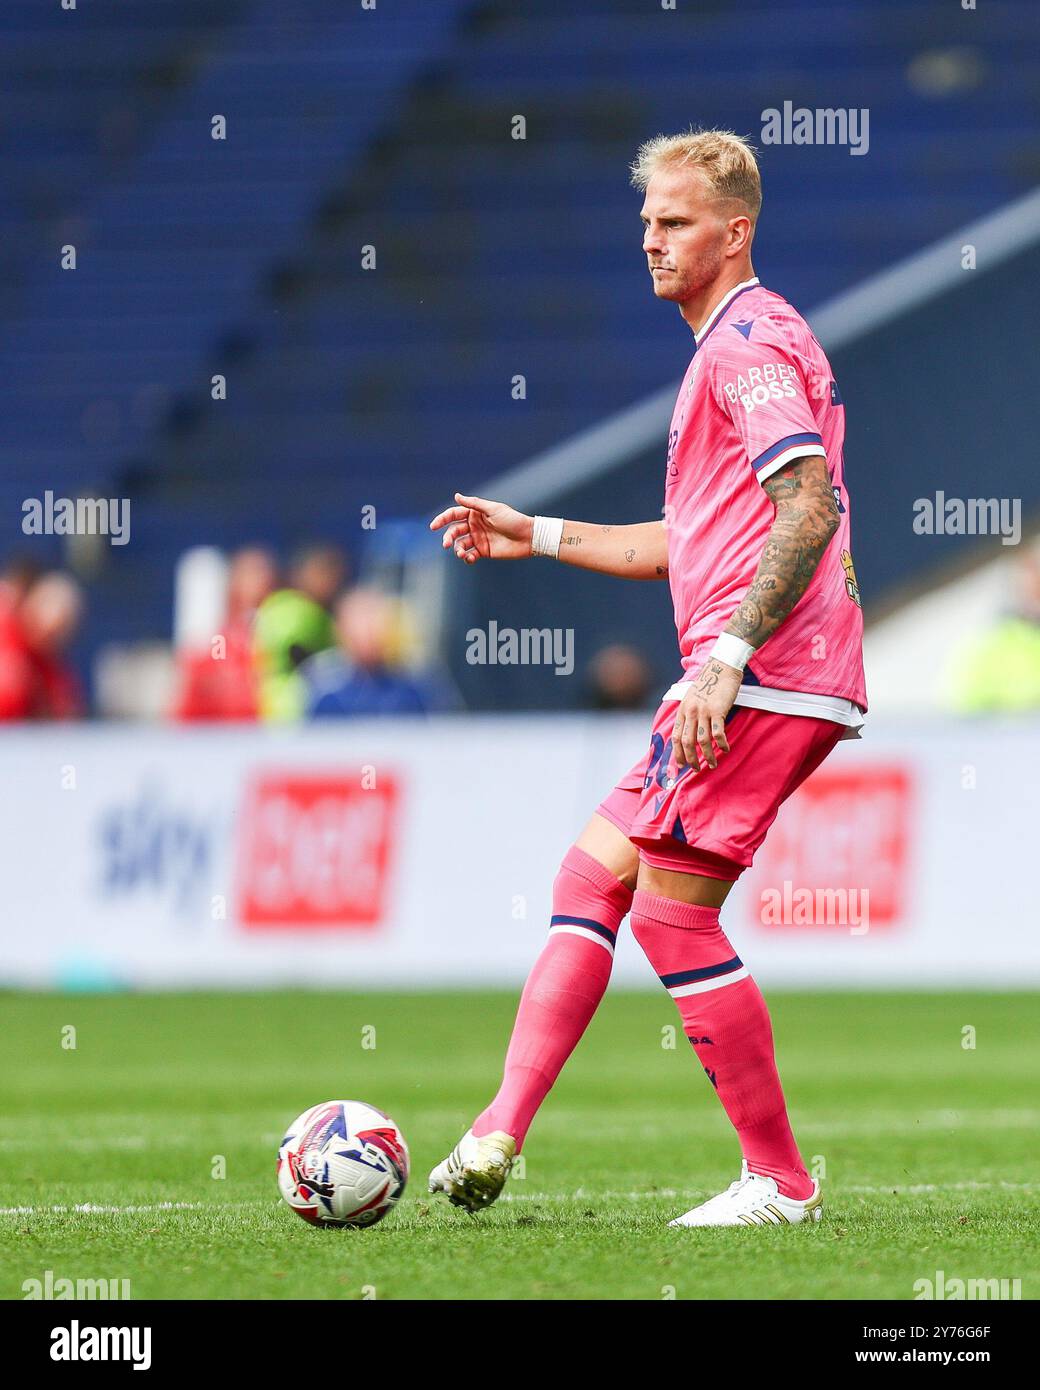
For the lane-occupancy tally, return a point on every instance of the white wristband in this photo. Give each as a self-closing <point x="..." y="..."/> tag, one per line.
<point x="546" y="536"/>
<point x="732" y="650"/>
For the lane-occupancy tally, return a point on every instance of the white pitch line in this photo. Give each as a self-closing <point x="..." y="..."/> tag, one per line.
<point x="94" y="1209"/>
<point x="665" y="1193"/>
<point x="84" y="1144"/>
<point x="837" y="1190"/>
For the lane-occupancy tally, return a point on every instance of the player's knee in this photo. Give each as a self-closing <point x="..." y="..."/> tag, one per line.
<point x="628" y="873"/>
<point x="643" y="928"/>
<point x="588" y="888"/>
<point x="639" y="935"/>
<point x="611" y="848"/>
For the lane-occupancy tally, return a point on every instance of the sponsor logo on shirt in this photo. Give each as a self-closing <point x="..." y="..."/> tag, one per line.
<point x="759" y="385"/>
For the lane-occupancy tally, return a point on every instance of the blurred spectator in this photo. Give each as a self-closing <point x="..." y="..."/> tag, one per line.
<point x="360" y="679"/>
<point x="38" y="619"/>
<point x="319" y="571"/>
<point x="220" y="681"/>
<point x="999" y="670"/>
<point x="292" y="625"/>
<point x="19" y="574"/>
<point x="619" y="677"/>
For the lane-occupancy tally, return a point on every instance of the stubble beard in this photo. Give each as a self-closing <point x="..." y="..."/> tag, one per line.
<point x="681" y="286"/>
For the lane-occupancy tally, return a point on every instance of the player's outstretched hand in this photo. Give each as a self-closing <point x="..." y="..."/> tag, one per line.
<point x="481" y="530"/>
<point x="701" y="716"/>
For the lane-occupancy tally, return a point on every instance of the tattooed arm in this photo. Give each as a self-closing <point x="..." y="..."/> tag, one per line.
<point x="479" y="529"/>
<point x="806" y="519"/>
<point x="639" y="551"/>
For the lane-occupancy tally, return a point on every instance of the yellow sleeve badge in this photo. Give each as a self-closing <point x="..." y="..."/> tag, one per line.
<point x="851" y="587"/>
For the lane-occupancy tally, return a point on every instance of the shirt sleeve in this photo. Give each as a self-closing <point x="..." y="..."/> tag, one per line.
<point x="760" y="386"/>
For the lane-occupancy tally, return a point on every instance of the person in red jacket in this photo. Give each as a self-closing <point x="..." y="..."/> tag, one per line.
<point x="221" y="682"/>
<point x="37" y="622"/>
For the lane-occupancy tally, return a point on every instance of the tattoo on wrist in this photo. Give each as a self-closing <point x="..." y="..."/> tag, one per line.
<point x="571" y="540"/>
<point x="709" y="677"/>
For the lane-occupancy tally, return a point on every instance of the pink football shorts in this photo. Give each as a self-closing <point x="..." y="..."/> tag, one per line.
<point x="711" y="822"/>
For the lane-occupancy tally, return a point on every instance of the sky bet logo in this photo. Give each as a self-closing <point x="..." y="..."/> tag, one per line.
<point x="770" y="382"/>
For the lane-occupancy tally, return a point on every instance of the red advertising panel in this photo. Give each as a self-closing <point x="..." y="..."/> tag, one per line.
<point x="838" y="855"/>
<point x="314" y="851"/>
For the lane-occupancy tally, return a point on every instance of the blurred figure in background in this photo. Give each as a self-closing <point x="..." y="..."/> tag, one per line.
<point x="320" y="571"/>
<point x="294" y="624"/>
<point x="19" y="574"/>
<point x="619" y="677"/>
<point x="38" y="619"/>
<point x="999" y="670"/>
<point x="363" y="677"/>
<point x="220" y="681"/>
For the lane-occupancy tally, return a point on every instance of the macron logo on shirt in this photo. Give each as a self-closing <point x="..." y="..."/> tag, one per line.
<point x="745" y="328"/>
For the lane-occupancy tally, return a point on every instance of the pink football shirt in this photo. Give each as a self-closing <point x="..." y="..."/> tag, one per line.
<point x="758" y="393"/>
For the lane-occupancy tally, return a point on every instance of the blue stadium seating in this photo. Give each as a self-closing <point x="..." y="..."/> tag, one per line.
<point x="496" y="257"/>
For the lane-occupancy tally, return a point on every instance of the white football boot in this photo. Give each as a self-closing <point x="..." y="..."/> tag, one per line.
<point x="475" y="1171"/>
<point x="753" y="1201"/>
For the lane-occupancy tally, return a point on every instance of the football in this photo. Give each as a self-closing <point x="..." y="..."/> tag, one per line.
<point x="342" y="1163"/>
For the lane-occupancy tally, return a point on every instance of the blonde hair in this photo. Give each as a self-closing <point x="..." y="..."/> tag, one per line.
<point x="726" y="160"/>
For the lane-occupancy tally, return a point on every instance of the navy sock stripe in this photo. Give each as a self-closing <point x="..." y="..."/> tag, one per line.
<point x="561" y="920"/>
<point x="707" y="972"/>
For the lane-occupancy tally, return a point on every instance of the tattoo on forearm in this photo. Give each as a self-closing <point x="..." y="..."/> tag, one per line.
<point x="630" y="555"/>
<point x="806" y="518"/>
<point x="662" y="569"/>
<point x="571" y="540"/>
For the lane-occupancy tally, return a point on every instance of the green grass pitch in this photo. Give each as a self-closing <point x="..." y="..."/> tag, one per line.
<point x="930" y="1148"/>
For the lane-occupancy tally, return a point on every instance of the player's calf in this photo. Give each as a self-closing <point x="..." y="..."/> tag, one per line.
<point x="562" y="992"/>
<point x="727" y="1022"/>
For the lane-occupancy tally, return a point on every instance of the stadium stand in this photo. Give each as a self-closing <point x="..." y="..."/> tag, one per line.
<point x="496" y="257"/>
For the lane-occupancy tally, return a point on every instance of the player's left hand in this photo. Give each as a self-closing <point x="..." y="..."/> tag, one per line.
<point x="701" y="716"/>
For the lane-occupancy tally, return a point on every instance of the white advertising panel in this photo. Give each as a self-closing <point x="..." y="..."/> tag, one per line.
<point x="423" y="853"/>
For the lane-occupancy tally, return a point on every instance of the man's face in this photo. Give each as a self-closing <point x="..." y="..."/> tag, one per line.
<point x="363" y="625"/>
<point x="686" y="231"/>
<point x="320" y="576"/>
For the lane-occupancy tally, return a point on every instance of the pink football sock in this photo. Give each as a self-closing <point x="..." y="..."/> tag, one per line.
<point x="562" y="991"/>
<point x="726" y="1019"/>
